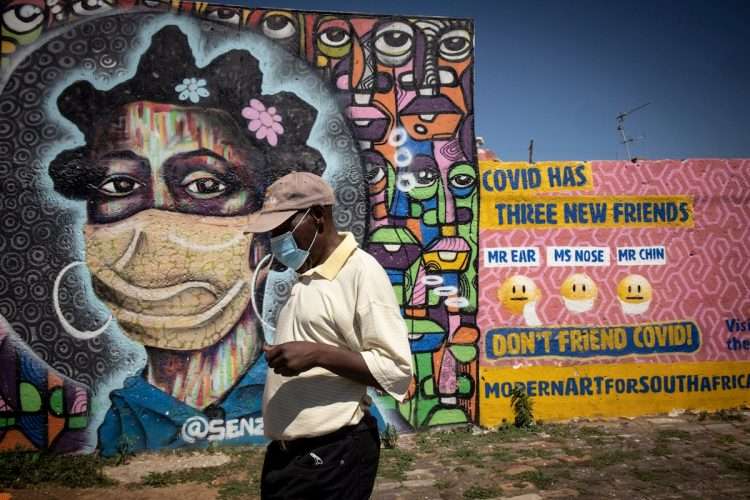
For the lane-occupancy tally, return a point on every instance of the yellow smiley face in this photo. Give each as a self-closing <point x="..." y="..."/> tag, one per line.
<point x="634" y="289"/>
<point x="516" y="292"/>
<point x="579" y="286"/>
<point x="579" y="293"/>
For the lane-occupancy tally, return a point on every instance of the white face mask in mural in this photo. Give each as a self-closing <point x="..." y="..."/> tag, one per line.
<point x="173" y="281"/>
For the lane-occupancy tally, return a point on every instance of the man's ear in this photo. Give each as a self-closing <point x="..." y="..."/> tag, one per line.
<point x="318" y="214"/>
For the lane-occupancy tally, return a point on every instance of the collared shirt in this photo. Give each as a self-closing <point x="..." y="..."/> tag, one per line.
<point x="143" y="417"/>
<point x="347" y="302"/>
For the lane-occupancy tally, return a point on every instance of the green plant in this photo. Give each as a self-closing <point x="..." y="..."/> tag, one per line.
<point x="389" y="437"/>
<point x="480" y="492"/>
<point x="522" y="406"/>
<point x="124" y="450"/>
<point x="537" y="478"/>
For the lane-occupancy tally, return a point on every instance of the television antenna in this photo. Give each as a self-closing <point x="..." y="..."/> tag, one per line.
<point x="621" y="128"/>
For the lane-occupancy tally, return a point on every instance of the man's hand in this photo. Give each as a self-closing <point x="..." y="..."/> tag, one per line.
<point x="292" y="358"/>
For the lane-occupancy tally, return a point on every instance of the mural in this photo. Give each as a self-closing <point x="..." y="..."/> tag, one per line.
<point x="39" y="408"/>
<point x="137" y="136"/>
<point x="612" y="288"/>
<point x="135" y="140"/>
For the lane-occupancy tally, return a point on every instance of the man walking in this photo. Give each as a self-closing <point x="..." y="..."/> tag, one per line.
<point x="340" y="331"/>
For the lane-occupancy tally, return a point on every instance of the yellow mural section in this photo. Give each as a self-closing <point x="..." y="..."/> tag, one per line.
<point x="564" y="392"/>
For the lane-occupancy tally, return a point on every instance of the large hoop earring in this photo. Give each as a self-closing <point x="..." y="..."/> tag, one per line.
<point x="70" y="329"/>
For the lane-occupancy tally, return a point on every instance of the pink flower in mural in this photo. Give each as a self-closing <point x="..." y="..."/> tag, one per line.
<point x="265" y="122"/>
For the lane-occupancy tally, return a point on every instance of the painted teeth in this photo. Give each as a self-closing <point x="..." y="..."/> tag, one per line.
<point x="427" y="118"/>
<point x="447" y="256"/>
<point x="392" y="248"/>
<point x="362" y="123"/>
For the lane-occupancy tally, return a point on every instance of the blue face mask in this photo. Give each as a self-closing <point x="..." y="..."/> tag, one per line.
<point x="285" y="250"/>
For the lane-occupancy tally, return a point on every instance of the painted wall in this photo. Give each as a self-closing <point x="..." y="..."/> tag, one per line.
<point x="611" y="288"/>
<point x="136" y="139"/>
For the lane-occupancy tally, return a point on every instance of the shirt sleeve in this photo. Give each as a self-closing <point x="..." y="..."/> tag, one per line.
<point x="383" y="332"/>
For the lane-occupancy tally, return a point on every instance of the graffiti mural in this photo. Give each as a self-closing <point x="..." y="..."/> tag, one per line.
<point x="134" y="144"/>
<point x="406" y="86"/>
<point x="39" y="408"/>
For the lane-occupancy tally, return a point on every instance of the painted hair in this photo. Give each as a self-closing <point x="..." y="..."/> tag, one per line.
<point x="277" y="126"/>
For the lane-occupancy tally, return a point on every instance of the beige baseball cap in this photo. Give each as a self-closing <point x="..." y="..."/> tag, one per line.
<point x="287" y="196"/>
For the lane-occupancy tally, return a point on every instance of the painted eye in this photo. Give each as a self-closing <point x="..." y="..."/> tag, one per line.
<point x="119" y="185"/>
<point x="205" y="187"/>
<point x="455" y="45"/>
<point x="426" y="178"/>
<point x="90" y="7"/>
<point x="375" y="174"/>
<point x="278" y="27"/>
<point x="393" y="43"/>
<point x="23" y="18"/>
<point x="462" y="181"/>
<point x="229" y="16"/>
<point x="335" y="37"/>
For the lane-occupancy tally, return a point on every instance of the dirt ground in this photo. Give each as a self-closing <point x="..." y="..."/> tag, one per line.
<point x="678" y="457"/>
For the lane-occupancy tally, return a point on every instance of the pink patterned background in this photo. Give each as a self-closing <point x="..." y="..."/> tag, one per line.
<point x="706" y="277"/>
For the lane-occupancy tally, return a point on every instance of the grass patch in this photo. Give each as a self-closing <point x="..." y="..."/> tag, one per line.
<point x="590" y="431"/>
<point x="648" y="475"/>
<point x="509" y="433"/>
<point x="558" y="430"/>
<point x="394" y="463"/>
<point x="22" y="469"/>
<point x="503" y="455"/>
<point x="443" y="484"/>
<point x="192" y="475"/>
<point x="538" y="478"/>
<point x="726" y="439"/>
<point x="735" y="464"/>
<point x="480" y="492"/>
<point x="665" y="434"/>
<point x="612" y="457"/>
<point x="239" y="490"/>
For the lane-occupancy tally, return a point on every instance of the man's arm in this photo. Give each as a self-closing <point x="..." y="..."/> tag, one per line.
<point x="292" y="358"/>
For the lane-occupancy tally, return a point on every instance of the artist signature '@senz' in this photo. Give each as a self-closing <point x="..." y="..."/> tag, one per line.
<point x="198" y="428"/>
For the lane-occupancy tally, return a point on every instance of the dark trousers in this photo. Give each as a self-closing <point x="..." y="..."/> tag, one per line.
<point x="342" y="464"/>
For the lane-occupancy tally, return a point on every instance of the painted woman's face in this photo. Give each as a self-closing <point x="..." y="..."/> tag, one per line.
<point x="165" y="240"/>
<point x="172" y="158"/>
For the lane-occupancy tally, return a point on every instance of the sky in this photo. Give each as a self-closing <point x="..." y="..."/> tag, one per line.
<point x="559" y="72"/>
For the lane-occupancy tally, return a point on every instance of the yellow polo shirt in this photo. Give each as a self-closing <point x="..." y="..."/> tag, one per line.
<point x="348" y="302"/>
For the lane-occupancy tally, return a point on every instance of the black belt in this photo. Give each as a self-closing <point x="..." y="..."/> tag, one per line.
<point x="368" y="422"/>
